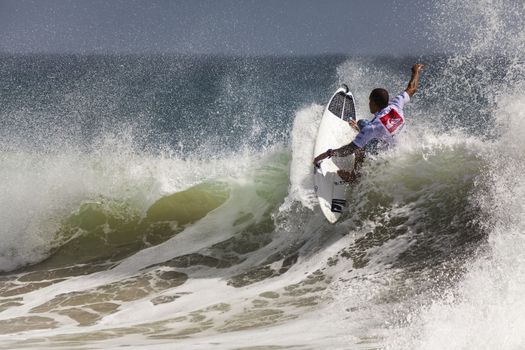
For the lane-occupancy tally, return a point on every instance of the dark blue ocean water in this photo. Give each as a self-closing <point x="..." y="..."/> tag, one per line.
<point x="181" y="102"/>
<point x="186" y="103"/>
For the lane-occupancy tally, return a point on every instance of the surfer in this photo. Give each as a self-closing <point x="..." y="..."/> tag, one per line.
<point x="380" y="131"/>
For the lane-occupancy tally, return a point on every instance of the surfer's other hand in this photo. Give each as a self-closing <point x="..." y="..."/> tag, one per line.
<point x="322" y="156"/>
<point x="318" y="159"/>
<point x="353" y="124"/>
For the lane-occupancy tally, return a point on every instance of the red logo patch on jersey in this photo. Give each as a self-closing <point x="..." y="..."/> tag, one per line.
<point x="392" y="120"/>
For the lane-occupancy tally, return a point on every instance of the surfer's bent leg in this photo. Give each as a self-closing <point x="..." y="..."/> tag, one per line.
<point x="360" y="156"/>
<point x="349" y="176"/>
<point x="354" y="175"/>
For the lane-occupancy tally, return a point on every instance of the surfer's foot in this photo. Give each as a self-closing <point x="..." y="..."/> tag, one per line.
<point x="349" y="176"/>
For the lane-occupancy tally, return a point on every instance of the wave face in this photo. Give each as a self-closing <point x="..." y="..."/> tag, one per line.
<point x="160" y="201"/>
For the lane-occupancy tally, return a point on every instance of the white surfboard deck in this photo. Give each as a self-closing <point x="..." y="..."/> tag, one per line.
<point x="334" y="132"/>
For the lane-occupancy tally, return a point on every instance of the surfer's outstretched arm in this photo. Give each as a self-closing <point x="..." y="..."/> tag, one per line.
<point x="340" y="152"/>
<point x="414" y="79"/>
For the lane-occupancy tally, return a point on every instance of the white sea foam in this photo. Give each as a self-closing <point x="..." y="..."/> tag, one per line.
<point x="304" y="132"/>
<point x="484" y="310"/>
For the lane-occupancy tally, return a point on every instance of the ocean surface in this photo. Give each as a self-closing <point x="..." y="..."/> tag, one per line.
<point x="160" y="202"/>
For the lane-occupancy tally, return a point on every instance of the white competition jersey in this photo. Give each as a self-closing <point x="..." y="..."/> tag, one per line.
<point x="386" y="123"/>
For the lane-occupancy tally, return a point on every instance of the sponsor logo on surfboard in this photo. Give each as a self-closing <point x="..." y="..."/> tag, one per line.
<point x="338" y="205"/>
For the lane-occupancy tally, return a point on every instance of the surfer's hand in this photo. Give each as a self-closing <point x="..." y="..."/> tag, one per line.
<point x="318" y="159"/>
<point x="353" y="124"/>
<point x="322" y="156"/>
<point x="414" y="79"/>
<point x="417" y="67"/>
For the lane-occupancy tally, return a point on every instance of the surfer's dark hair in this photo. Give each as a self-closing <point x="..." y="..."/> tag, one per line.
<point x="380" y="97"/>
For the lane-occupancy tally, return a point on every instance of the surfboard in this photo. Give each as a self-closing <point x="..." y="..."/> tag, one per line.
<point x="334" y="132"/>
